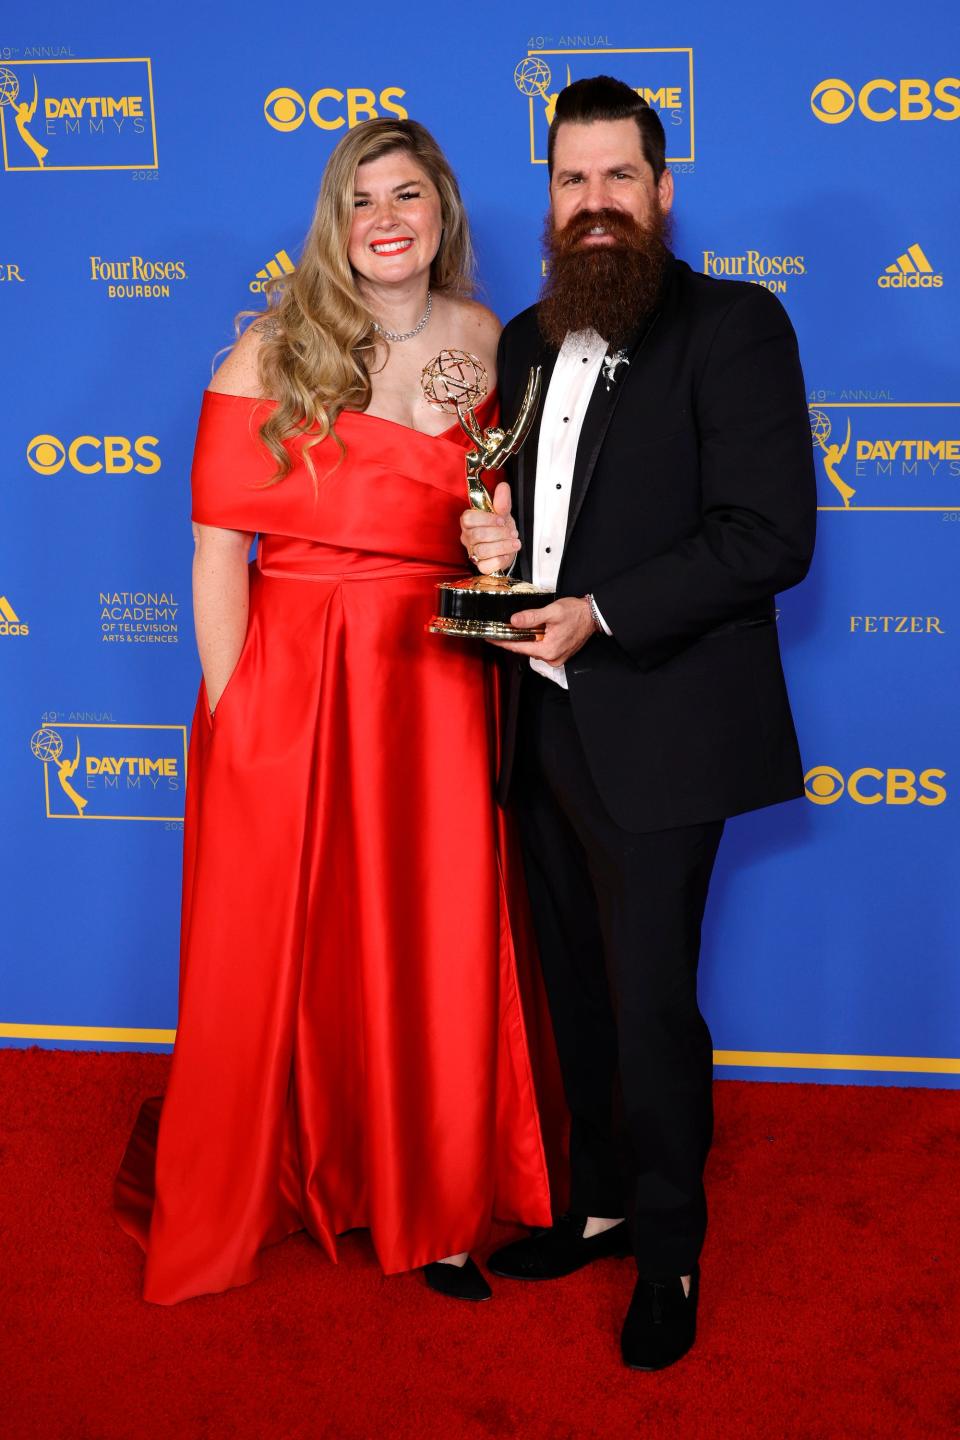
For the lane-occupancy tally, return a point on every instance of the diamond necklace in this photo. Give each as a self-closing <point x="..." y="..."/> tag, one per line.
<point x="407" y="334"/>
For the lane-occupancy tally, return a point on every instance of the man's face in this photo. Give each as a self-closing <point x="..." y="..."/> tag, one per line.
<point x="601" y="166"/>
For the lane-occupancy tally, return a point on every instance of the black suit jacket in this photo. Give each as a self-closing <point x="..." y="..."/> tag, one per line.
<point x="693" y="504"/>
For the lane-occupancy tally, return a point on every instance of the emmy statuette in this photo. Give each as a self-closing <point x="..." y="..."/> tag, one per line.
<point x="480" y="608"/>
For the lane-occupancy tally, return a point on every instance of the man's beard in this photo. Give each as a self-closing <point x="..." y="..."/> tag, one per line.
<point x="606" y="288"/>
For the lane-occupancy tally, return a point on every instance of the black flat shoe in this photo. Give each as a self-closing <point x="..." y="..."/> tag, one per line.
<point x="460" y="1282"/>
<point x="550" y="1254"/>
<point x="661" y="1324"/>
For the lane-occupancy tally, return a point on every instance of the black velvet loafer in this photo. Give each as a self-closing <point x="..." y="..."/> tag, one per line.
<point x="459" y="1282"/>
<point x="661" y="1324"/>
<point x="550" y="1254"/>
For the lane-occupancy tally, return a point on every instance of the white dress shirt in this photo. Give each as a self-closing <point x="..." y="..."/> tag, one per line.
<point x="564" y="407"/>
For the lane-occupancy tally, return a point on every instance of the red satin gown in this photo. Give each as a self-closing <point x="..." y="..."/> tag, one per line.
<point x="351" y="1049"/>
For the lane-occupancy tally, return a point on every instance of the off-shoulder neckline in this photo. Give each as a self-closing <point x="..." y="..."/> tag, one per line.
<point x="358" y="414"/>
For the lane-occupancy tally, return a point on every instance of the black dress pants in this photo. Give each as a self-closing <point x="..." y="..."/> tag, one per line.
<point x="617" y="917"/>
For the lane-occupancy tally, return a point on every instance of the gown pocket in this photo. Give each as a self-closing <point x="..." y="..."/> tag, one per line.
<point x="207" y="710"/>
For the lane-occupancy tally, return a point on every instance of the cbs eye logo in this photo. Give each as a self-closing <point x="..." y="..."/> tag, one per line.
<point x="834" y="101"/>
<point x="91" y="454"/>
<point x="285" y="109"/>
<point x="825" y="786"/>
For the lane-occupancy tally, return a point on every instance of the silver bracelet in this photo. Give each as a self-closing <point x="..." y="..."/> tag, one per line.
<point x="598" y="623"/>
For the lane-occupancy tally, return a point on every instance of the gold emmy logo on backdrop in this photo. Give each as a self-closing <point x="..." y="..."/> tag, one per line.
<point x="47" y="455"/>
<point x="79" y="106"/>
<point x="833" y="101"/>
<point x="910" y="271"/>
<point x="673" y="96"/>
<point x="275" y="269"/>
<point x="23" y="114"/>
<point x="47" y="745"/>
<point x="823" y="785"/>
<point x="820" y="431"/>
<point x="480" y="608"/>
<point x="10" y="622"/>
<point x="285" y="109"/>
<point x="532" y="76"/>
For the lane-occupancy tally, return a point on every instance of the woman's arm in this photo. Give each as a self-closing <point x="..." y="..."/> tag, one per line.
<point x="220" y="602"/>
<point x="220" y="585"/>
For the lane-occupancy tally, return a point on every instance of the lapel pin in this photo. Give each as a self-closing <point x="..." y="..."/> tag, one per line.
<point x="612" y="364"/>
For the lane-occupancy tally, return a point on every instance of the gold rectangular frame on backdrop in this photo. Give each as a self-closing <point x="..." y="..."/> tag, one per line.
<point x="885" y="405"/>
<point x="104" y="60"/>
<point x="625" y="50"/>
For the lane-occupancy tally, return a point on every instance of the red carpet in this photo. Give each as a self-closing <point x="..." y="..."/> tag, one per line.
<point x="830" y="1295"/>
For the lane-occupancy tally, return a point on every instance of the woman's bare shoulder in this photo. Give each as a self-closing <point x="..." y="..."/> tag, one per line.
<point x="239" y="372"/>
<point x="472" y="327"/>
<point x="477" y="320"/>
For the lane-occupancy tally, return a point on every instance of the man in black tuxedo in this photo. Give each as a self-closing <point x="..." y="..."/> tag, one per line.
<point x="667" y="494"/>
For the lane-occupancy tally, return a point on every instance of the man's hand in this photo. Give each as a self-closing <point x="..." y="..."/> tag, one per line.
<point x="569" y="625"/>
<point x="491" y="541"/>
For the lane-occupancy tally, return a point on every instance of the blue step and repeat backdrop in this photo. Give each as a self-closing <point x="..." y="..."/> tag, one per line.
<point x="158" y="165"/>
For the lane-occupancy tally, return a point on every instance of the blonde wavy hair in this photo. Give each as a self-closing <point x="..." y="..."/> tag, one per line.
<point x="316" y="356"/>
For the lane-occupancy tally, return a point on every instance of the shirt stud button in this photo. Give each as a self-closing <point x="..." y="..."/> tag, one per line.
<point x="566" y="419"/>
<point x="559" y="487"/>
<point x="548" y="549"/>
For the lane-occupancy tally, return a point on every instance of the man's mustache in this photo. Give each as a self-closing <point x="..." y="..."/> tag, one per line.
<point x="621" y="227"/>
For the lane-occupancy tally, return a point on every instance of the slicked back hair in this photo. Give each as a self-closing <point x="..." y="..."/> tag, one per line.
<point x="603" y="98"/>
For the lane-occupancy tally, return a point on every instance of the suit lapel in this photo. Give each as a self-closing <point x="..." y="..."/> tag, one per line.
<point x="600" y="411"/>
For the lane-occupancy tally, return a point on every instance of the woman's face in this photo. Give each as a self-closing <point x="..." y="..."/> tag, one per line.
<point x="396" y="220"/>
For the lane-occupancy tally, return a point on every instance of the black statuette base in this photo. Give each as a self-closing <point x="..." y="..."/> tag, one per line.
<point x="480" y="608"/>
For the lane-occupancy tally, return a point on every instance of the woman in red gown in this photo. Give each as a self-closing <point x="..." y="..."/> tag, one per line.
<point x="351" y="1049"/>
